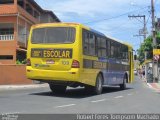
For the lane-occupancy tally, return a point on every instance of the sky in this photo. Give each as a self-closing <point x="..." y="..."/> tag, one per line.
<point x="107" y="16"/>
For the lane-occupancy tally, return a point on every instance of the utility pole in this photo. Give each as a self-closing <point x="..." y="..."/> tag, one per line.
<point x="144" y="30"/>
<point x="142" y="33"/>
<point x="155" y="65"/>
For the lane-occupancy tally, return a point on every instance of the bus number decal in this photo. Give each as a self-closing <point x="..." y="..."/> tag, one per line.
<point x="36" y="53"/>
<point x="65" y="62"/>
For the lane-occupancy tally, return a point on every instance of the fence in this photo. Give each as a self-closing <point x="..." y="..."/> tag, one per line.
<point x="6" y="37"/>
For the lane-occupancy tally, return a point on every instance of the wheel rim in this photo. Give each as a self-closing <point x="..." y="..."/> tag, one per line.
<point x="99" y="85"/>
<point x="125" y="80"/>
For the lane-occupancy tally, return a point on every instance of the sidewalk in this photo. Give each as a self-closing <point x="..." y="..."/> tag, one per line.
<point x="18" y="87"/>
<point x="155" y="86"/>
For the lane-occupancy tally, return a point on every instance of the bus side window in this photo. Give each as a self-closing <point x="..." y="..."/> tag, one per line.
<point x="112" y="49"/>
<point x="103" y="47"/>
<point x="89" y="43"/>
<point x="85" y="42"/>
<point x="99" y="46"/>
<point x="96" y="45"/>
<point x="92" y="46"/>
<point x="108" y="48"/>
<point x="118" y="52"/>
<point x="124" y="53"/>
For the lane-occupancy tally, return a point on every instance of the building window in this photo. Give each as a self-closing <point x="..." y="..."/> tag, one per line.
<point x="6" y="57"/>
<point x="29" y="9"/>
<point x="6" y="34"/>
<point x="21" y="3"/>
<point x="6" y="1"/>
<point x="6" y="31"/>
<point x="36" y="15"/>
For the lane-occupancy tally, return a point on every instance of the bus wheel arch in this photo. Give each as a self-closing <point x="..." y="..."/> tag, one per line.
<point x="57" y="88"/>
<point x="101" y="73"/>
<point x="97" y="88"/>
<point x="126" y="75"/>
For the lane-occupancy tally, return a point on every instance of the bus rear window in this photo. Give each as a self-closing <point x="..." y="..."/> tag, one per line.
<point x="53" y="35"/>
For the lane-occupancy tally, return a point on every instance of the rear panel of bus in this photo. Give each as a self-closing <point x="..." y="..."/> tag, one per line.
<point x="54" y="52"/>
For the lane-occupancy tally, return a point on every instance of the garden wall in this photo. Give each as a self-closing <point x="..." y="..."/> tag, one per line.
<point x="13" y="75"/>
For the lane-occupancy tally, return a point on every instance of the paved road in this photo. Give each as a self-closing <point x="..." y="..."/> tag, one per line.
<point x="138" y="98"/>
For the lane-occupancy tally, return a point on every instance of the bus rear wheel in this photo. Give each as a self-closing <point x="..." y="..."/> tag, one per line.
<point x="57" y="88"/>
<point x="123" y="85"/>
<point x="97" y="89"/>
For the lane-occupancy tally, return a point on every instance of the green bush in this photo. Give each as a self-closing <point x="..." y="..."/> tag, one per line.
<point x="21" y="62"/>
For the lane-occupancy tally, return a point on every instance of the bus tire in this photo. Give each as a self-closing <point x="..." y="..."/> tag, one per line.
<point x="99" y="85"/>
<point x="57" y="88"/>
<point x="123" y="85"/>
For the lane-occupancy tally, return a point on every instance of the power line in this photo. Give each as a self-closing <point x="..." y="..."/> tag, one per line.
<point x="115" y="28"/>
<point x="148" y="18"/>
<point x="114" y="17"/>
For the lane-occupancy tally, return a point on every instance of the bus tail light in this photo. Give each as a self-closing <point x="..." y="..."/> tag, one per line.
<point x="28" y="62"/>
<point x="75" y="64"/>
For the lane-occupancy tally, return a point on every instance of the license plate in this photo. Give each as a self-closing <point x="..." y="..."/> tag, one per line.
<point x="51" y="53"/>
<point x="50" y="62"/>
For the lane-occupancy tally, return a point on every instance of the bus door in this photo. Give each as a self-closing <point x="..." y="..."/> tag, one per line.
<point x="130" y="66"/>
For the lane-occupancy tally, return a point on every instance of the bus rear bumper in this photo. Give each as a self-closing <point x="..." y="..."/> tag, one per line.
<point x="51" y="75"/>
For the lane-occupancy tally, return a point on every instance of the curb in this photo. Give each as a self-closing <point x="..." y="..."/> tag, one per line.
<point x="16" y="87"/>
<point x="150" y="86"/>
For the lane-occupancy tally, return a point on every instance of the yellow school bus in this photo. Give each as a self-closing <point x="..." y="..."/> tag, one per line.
<point x="71" y="54"/>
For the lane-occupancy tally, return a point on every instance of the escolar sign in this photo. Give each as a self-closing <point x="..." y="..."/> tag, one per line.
<point x="51" y="53"/>
<point x="156" y="51"/>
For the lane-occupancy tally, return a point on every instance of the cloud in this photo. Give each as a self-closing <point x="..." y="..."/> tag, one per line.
<point x="85" y="11"/>
<point x="89" y="9"/>
<point x="86" y="7"/>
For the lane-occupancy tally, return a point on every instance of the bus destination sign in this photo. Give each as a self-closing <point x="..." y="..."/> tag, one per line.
<point x="51" y="53"/>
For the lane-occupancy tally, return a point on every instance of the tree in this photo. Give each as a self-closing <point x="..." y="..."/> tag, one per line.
<point x="145" y="47"/>
<point x="158" y="39"/>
